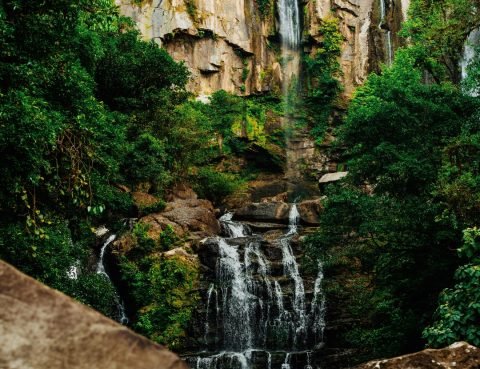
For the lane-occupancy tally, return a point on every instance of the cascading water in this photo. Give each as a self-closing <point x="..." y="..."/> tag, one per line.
<point x="386" y="31"/>
<point x="472" y="42"/>
<point x="122" y="315"/>
<point x="290" y="35"/>
<point x="258" y="309"/>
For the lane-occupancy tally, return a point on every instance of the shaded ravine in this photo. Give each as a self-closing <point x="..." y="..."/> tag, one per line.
<point x="259" y="311"/>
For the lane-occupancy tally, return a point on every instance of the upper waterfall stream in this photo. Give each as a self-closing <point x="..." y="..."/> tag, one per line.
<point x="259" y="310"/>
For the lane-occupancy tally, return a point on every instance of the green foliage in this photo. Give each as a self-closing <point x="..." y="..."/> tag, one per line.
<point x="265" y="7"/>
<point x="49" y="258"/>
<point x="85" y="106"/>
<point x="191" y="9"/>
<point x="322" y="72"/>
<point x="154" y="208"/>
<point x="162" y="291"/>
<point x="458" y="314"/>
<point x="412" y="155"/>
<point x="96" y="291"/>
<point x="145" y="162"/>
<point x="168" y="238"/>
<point x="211" y="184"/>
<point x="397" y="127"/>
<point x="459" y="178"/>
<point x="437" y="30"/>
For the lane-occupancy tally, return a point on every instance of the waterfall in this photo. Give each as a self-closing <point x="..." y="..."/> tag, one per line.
<point x="207" y="315"/>
<point x="471" y="43"/>
<point x="387" y="33"/>
<point x="289" y="14"/>
<point x="290" y="269"/>
<point x="101" y="262"/>
<point x="122" y="314"/>
<point x="286" y="364"/>
<point x="236" y="303"/>
<point x="233" y="229"/>
<point x="261" y="306"/>
<point x="290" y="36"/>
<point x="318" y="307"/>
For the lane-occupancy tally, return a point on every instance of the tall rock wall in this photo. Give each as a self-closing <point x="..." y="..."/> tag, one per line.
<point x="233" y="45"/>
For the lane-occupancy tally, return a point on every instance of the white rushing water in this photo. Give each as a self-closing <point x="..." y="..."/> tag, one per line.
<point x="249" y="315"/>
<point x="290" y="36"/>
<point x="233" y="229"/>
<point x="387" y="34"/>
<point x="236" y="304"/>
<point x="289" y="13"/>
<point x="101" y="261"/>
<point x="318" y="307"/>
<point x="122" y="314"/>
<point x="290" y="269"/>
<point x="210" y="291"/>
<point x="472" y="42"/>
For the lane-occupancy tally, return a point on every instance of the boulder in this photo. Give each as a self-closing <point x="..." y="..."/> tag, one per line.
<point x="143" y="199"/>
<point x="272" y="212"/>
<point x="181" y="192"/>
<point x="43" y="329"/>
<point x="332" y="177"/>
<point x="186" y="214"/>
<point x="310" y="211"/>
<point x="460" y="355"/>
<point x="194" y="216"/>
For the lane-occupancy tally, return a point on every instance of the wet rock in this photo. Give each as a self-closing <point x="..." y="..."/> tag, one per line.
<point x="460" y="355"/>
<point x="208" y="252"/>
<point x="263" y="227"/>
<point x="274" y="212"/>
<point x="194" y="216"/>
<point x="310" y="211"/>
<point x="187" y="217"/>
<point x="44" y="329"/>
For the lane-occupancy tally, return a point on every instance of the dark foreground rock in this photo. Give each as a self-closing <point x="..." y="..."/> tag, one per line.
<point x="41" y="328"/>
<point x="460" y="355"/>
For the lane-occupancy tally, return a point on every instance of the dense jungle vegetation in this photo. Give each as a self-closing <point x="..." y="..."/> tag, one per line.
<point x="403" y="229"/>
<point x="87" y="107"/>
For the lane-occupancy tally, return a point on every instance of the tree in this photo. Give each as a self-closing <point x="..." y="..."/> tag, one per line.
<point x="458" y="316"/>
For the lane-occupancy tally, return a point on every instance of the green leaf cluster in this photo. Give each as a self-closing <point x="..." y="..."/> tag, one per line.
<point x="458" y="315"/>
<point x="387" y="232"/>
<point x="161" y="290"/>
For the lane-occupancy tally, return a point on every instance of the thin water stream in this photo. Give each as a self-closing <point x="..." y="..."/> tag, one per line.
<point x="122" y="315"/>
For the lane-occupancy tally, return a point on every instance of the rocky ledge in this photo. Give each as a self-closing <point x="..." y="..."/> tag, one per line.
<point x="278" y="211"/>
<point x="460" y="355"/>
<point x="44" y="329"/>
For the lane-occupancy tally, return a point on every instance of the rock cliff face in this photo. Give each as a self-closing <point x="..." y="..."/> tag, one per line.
<point x="234" y="45"/>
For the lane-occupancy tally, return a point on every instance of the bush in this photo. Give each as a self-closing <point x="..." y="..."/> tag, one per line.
<point x="458" y="316"/>
<point x="214" y="185"/>
<point x="162" y="290"/>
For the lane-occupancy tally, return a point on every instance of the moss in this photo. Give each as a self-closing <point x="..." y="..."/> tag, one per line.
<point x="191" y="9"/>
<point x="265" y="7"/>
<point x="161" y="290"/>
